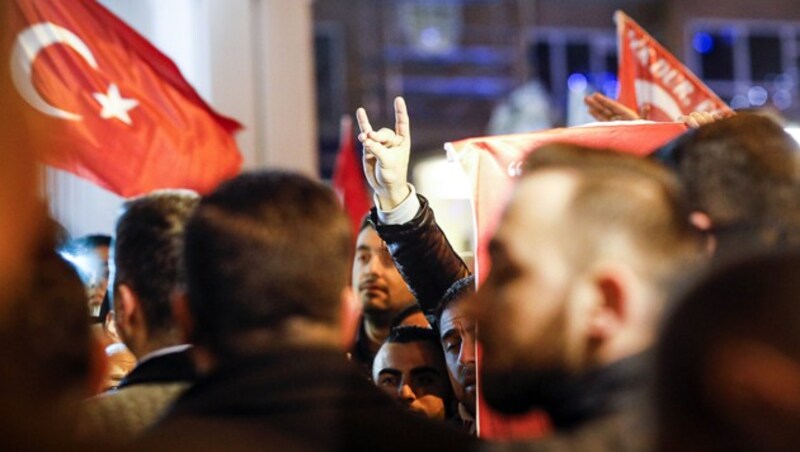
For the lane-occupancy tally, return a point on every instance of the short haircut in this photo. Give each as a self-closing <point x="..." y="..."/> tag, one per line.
<point x="742" y="168"/>
<point x="457" y="291"/>
<point x="412" y="333"/>
<point x="148" y="252"/>
<point x="621" y="193"/>
<point x="263" y="248"/>
<point x="366" y="222"/>
<point x="754" y="298"/>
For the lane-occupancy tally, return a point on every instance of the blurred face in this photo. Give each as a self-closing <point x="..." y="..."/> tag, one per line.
<point x="458" y="341"/>
<point x="93" y="268"/>
<point x="414" y="374"/>
<point x="531" y="330"/>
<point x="376" y="280"/>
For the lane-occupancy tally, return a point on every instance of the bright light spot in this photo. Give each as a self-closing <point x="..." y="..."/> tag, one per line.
<point x="577" y="83"/>
<point x="431" y="38"/>
<point x="782" y="99"/>
<point x="757" y="96"/>
<point x="703" y="43"/>
<point x="794" y="131"/>
<point x="739" y="101"/>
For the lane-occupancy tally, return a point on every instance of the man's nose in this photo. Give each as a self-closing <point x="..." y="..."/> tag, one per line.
<point x="467" y="353"/>
<point x="373" y="266"/>
<point x="405" y="394"/>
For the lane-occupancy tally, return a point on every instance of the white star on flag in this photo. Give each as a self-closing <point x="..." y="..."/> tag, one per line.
<point x="114" y="105"/>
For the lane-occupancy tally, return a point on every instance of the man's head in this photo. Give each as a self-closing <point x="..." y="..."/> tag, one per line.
<point x="581" y="262"/>
<point x="409" y="367"/>
<point x="89" y="255"/>
<point x="380" y="287"/>
<point x="147" y="268"/>
<point x="728" y="360"/>
<point x="457" y="335"/>
<point x="739" y="169"/>
<point x="267" y="259"/>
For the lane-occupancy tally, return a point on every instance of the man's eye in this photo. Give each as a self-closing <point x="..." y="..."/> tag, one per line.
<point x="452" y="346"/>
<point x="388" y="381"/>
<point x="362" y="258"/>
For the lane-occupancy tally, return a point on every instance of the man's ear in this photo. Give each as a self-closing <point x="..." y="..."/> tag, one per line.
<point x="702" y="222"/>
<point x="611" y="309"/>
<point x="350" y="313"/>
<point x="183" y="317"/>
<point x="127" y="312"/>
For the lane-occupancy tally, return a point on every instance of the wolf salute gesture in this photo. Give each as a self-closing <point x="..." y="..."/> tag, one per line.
<point x="386" y="155"/>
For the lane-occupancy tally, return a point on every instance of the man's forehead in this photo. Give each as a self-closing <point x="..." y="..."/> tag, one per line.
<point x="454" y="316"/>
<point x="369" y="238"/>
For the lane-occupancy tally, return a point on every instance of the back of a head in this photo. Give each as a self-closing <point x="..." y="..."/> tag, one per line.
<point x="263" y="249"/>
<point x="148" y="252"/>
<point x="623" y="196"/>
<point x="739" y="169"/>
<point x="753" y="300"/>
<point x="46" y="344"/>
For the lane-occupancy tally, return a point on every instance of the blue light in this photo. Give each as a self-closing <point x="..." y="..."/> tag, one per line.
<point x="577" y="82"/>
<point x="703" y="43"/>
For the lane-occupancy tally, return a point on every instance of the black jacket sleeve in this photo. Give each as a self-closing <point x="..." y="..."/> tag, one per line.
<point x="424" y="257"/>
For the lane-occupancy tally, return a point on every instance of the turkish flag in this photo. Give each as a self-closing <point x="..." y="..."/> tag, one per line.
<point x="104" y="104"/>
<point x="348" y="176"/>
<point x="651" y="79"/>
<point x="491" y="165"/>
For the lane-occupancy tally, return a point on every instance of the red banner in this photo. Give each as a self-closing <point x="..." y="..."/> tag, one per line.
<point x="491" y="164"/>
<point x="651" y="79"/>
<point x="348" y="176"/>
<point x="106" y="105"/>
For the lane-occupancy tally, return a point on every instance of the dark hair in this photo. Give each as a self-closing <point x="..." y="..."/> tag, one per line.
<point x="412" y="333"/>
<point x="754" y="298"/>
<point x="366" y="222"/>
<point x="261" y="249"/>
<point x="148" y="252"/>
<point x="742" y="168"/>
<point x="456" y="292"/>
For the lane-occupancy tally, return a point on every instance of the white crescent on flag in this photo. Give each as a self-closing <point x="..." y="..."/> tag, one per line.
<point x="27" y="46"/>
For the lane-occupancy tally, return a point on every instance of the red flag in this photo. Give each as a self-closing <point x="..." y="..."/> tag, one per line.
<point x="106" y="105"/>
<point x="652" y="79"/>
<point x="491" y="163"/>
<point x="348" y="176"/>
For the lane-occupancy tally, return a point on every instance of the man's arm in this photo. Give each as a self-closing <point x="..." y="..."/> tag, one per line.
<point x="404" y="220"/>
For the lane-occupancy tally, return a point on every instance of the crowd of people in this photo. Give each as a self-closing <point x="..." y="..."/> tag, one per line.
<point x="635" y="303"/>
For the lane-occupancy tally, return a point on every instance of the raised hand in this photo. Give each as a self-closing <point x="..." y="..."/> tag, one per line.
<point x="698" y="119"/>
<point x="386" y="155"/>
<point x="603" y="108"/>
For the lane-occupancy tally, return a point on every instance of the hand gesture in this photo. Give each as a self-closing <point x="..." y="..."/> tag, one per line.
<point x="698" y="118"/>
<point x="603" y="108"/>
<point x="386" y="155"/>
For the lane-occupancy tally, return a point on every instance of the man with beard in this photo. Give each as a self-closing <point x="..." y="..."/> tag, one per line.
<point x="382" y="292"/>
<point x="582" y="261"/>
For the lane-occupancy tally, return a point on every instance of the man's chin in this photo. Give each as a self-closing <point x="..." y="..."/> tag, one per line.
<point x="519" y="392"/>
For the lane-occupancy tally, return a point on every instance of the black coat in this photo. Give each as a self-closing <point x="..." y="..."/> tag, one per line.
<point x="295" y="400"/>
<point x="422" y="254"/>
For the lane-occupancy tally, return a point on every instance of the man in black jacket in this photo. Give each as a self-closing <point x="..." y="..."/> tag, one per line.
<point x="268" y="258"/>
<point x="148" y="277"/>
<point x="582" y="261"/>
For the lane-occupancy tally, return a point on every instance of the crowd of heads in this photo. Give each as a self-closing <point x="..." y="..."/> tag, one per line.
<point x="677" y="262"/>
